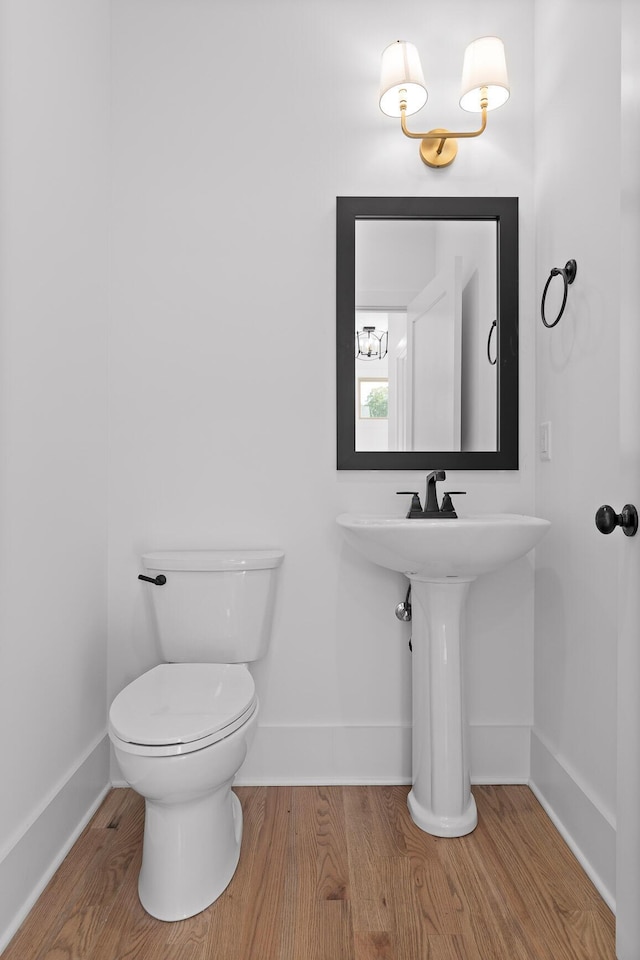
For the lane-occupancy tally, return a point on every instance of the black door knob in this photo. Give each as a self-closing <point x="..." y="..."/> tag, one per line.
<point x="607" y="519"/>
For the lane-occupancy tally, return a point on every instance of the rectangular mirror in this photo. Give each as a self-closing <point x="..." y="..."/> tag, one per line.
<point x="427" y="333"/>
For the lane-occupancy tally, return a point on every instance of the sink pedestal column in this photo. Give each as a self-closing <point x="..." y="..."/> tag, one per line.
<point x="440" y="801"/>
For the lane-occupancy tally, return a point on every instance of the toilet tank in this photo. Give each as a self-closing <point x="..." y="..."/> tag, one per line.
<point x="216" y="605"/>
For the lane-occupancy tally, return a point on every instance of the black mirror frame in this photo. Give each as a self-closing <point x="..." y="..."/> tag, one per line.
<point x="502" y="210"/>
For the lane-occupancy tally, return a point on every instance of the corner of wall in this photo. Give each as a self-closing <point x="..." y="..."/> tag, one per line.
<point x="42" y="843"/>
<point x="587" y="827"/>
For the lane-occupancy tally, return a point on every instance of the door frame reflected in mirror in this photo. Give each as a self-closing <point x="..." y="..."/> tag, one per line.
<point x="504" y="212"/>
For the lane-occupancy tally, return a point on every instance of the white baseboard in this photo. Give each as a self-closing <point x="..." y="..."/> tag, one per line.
<point x="373" y="754"/>
<point x="587" y="827"/>
<point x="36" y="854"/>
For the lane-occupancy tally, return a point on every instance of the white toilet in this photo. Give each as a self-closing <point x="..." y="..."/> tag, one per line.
<point x="182" y="730"/>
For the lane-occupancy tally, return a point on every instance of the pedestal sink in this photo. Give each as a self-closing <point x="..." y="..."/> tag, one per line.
<point x="441" y="558"/>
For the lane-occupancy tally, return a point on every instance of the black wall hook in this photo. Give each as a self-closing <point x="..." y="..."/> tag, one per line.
<point x="568" y="274"/>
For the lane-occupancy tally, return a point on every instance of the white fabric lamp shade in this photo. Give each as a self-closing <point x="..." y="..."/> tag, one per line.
<point x="484" y="66"/>
<point x="401" y="70"/>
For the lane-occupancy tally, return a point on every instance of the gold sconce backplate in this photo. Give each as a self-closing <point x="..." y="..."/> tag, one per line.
<point x="436" y="152"/>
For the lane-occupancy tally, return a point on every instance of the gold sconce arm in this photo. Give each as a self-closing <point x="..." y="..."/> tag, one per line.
<point x="439" y="146"/>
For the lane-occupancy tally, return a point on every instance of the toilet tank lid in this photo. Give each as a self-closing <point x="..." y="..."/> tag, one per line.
<point x="212" y="559"/>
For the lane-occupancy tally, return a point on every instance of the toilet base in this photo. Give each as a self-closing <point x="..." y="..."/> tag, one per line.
<point x="193" y="821"/>
<point x="190" y="853"/>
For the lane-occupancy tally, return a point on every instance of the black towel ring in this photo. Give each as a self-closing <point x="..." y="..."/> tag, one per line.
<point x="494" y="326"/>
<point x="568" y="274"/>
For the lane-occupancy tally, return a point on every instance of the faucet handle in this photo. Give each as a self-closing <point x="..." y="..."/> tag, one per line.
<point x="447" y="505"/>
<point x="415" y="510"/>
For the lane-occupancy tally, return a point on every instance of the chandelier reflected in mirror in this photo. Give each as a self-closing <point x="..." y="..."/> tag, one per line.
<point x="371" y="344"/>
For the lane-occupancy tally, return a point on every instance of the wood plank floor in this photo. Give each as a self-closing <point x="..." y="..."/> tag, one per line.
<point x="335" y="873"/>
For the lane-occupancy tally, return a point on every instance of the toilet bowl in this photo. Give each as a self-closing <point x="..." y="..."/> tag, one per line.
<point x="181" y="731"/>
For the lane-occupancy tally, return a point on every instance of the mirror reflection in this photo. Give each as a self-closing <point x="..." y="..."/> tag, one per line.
<point x="426" y="302"/>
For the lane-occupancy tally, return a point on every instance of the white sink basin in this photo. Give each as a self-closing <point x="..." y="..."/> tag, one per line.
<point x="438" y="549"/>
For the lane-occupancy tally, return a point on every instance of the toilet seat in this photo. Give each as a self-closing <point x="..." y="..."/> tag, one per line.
<point x="178" y="708"/>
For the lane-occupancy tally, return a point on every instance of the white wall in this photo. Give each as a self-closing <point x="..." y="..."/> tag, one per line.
<point x="53" y="275"/>
<point x="222" y="429"/>
<point x="578" y="372"/>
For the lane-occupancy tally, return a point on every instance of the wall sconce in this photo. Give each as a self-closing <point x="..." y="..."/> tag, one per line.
<point x="485" y="86"/>
<point x="371" y="344"/>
